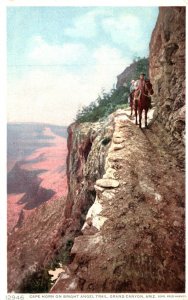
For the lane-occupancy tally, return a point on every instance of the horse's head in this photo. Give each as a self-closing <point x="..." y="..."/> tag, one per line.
<point x="149" y="86"/>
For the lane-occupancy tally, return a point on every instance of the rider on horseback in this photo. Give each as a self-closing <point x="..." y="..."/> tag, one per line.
<point x="141" y="81"/>
<point x="141" y="85"/>
<point x="142" y="99"/>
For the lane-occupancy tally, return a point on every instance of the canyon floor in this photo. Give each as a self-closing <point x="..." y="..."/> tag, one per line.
<point x="133" y="236"/>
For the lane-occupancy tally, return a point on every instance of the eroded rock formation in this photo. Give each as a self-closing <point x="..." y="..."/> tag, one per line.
<point x="133" y="238"/>
<point x="33" y="245"/>
<point x="167" y="73"/>
<point x="48" y="228"/>
<point x="88" y="144"/>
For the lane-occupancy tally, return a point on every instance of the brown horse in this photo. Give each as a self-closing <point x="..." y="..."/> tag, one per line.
<point x="142" y="101"/>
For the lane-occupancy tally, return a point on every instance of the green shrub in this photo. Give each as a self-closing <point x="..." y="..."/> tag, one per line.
<point x="122" y="106"/>
<point x="117" y="98"/>
<point x="103" y="106"/>
<point x="64" y="256"/>
<point x="37" y="282"/>
<point x="40" y="281"/>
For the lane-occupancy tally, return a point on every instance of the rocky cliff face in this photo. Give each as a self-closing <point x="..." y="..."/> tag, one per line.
<point x="133" y="237"/>
<point x="32" y="246"/>
<point x="167" y="73"/>
<point x="88" y="144"/>
<point x="52" y="224"/>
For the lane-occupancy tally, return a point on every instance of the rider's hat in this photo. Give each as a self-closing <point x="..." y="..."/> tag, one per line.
<point x="143" y="74"/>
<point x="132" y="80"/>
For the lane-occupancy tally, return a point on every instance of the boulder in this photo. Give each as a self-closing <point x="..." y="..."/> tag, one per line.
<point x="107" y="183"/>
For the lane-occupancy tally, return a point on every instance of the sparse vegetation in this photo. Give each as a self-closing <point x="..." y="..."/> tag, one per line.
<point x="64" y="255"/>
<point x="37" y="282"/>
<point x="117" y="98"/>
<point x="104" y="105"/>
<point x="40" y="281"/>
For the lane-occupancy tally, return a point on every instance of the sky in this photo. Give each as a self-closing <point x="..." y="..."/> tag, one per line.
<point x="61" y="58"/>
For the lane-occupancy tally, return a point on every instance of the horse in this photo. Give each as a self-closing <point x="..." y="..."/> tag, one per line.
<point x="142" y="101"/>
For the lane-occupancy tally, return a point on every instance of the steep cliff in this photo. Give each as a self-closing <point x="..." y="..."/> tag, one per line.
<point x="52" y="225"/>
<point x="88" y="144"/>
<point x="167" y="73"/>
<point x="133" y="238"/>
<point x="32" y="246"/>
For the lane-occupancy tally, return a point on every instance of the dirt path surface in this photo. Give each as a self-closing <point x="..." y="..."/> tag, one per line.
<point x="133" y="238"/>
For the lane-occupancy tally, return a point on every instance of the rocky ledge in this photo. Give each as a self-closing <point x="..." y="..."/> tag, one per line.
<point x="133" y="236"/>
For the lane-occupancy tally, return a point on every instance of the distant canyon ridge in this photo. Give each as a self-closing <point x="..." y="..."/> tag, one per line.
<point x="36" y="164"/>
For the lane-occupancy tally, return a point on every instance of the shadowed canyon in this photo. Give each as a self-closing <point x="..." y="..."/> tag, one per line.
<point x="36" y="168"/>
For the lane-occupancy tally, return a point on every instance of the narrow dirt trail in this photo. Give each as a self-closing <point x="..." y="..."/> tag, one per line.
<point x="134" y="233"/>
<point x="148" y="211"/>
